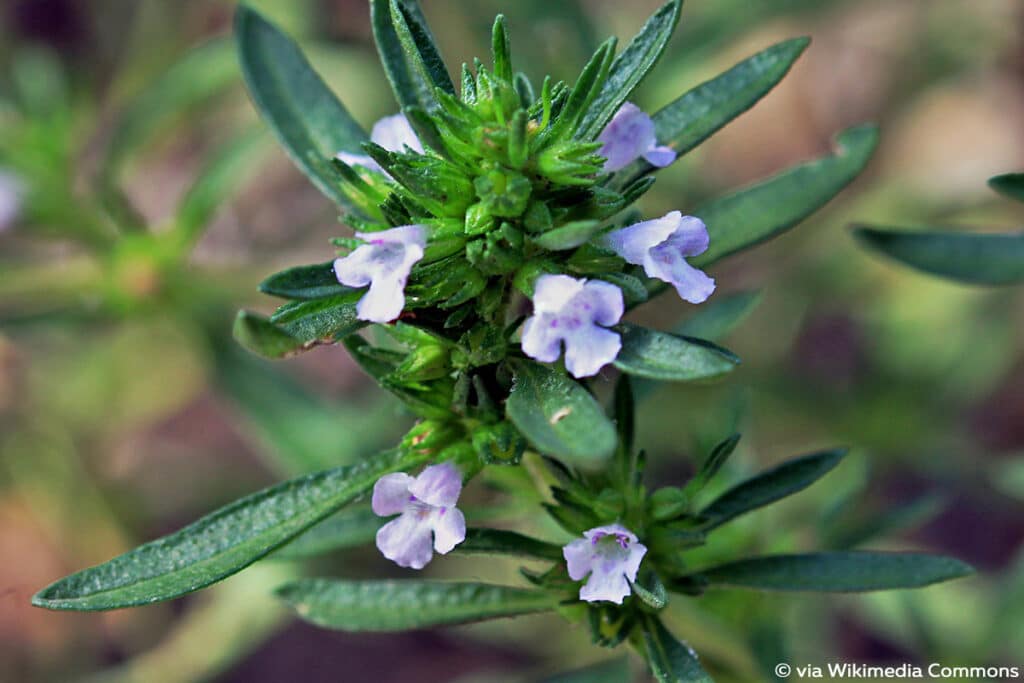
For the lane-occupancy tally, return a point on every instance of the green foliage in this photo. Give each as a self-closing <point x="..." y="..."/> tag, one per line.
<point x="404" y="605"/>
<point x="658" y="355"/>
<point x="304" y="114"/>
<point x="766" y="488"/>
<point x="221" y="543"/>
<point x="1009" y="184"/>
<point x="843" y="572"/>
<point x="980" y="259"/>
<point x="670" y="660"/>
<point x="758" y="213"/>
<point x="558" y="416"/>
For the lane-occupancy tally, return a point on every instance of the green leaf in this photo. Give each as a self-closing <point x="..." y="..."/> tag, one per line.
<point x="502" y="542"/>
<point x="670" y="660"/>
<point x="230" y="167"/>
<point x="257" y="334"/>
<point x="1009" y="184"/>
<point x="758" y="213"/>
<point x="345" y="529"/>
<point x="717" y="318"/>
<point x="697" y="114"/>
<point x="402" y="605"/>
<point x="612" y="671"/>
<point x="981" y="259"/>
<point x="769" y="486"/>
<point x="568" y="236"/>
<point x="303" y="283"/>
<point x="710" y="467"/>
<point x="659" y="355"/>
<point x="302" y="111"/>
<point x="407" y="50"/>
<point x="221" y="543"/>
<point x="320" y="320"/>
<point x="630" y="68"/>
<point x="200" y="75"/>
<point x="840" y="572"/>
<point x="558" y="416"/>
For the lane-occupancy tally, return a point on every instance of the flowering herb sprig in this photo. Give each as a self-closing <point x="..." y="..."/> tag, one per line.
<point x="497" y="250"/>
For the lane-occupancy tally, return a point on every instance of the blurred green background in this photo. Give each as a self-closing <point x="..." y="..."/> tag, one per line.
<point x="153" y="202"/>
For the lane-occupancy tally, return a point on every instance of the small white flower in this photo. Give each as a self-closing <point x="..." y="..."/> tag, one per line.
<point x="11" y="192"/>
<point x="394" y="134"/>
<point x="428" y="521"/>
<point x="661" y="247"/>
<point x="611" y="555"/>
<point x="384" y="263"/>
<point x="629" y="136"/>
<point x="575" y="312"/>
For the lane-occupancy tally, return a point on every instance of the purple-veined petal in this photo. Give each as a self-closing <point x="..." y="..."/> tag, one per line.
<point x="631" y="565"/>
<point x="407" y="541"/>
<point x="589" y="349"/>
<point x="665" y="263"/>
<point x="551" y="293"/>
<point x="660" y="157"/>
<point x="391" y="494"/>
<point x="449" y="529"/>
<point x="602" y="301"/>
<point x="579" y="555"/>
<point x="438" y="485"/>
<point x="384" y="263"/>
<point x="634" y="242"/>
<point x="542" y="340"/>
<point x="612" y="587"/>
<point x="610" y="530"/>
<point x="627" y="136"/>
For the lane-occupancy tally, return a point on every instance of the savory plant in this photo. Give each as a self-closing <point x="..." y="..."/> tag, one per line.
<point x="496" y="253"/>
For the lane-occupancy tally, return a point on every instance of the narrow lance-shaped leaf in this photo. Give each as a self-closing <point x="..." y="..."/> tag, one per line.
<point x="304" y="283"/>
<point x="386" y="606"/>
<point x="312" y="125"/>
<point x="411" y="61"/>
<point x="558" y="416"/>
<point x="662" y="356"/>
<point x="842" y="572"/>
<point x="630" y="68"/>
<point x="502" y="542"/>
<point x="1009" y="184"/>
<point x="221" y="543"/>
<point x="257" y="334"/>
<point x="697" y="114"/>
<point x="326" y="320"/>
<point x="980" y="259"/>
<point x="766" y="488"/>
<point x="758" y="213"/>
<point x="670" y="660"/>
<point x="710" y="467"/>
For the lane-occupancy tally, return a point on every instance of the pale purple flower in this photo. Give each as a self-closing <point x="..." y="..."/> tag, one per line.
<point x="384" y="263"/>
<point x="11" y="193"/>
<point x="611" y="555"/>
<point x="661" y="247"/>
<point x="575" y="312"/>
<point x="629" y="136"/>
<point x="394" y="134"/>
<point x="428" y="519"/>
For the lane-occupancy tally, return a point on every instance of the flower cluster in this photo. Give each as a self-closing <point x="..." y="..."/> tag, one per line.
<point x="569" y="312"/>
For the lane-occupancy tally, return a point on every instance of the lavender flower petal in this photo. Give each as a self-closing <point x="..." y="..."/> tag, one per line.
<point x="629" y="136"/>
<point x="391" y="494"/>
<point x="406" y="541"/>
<point x="438" y="485"/>
<point x="384" y="263"/>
